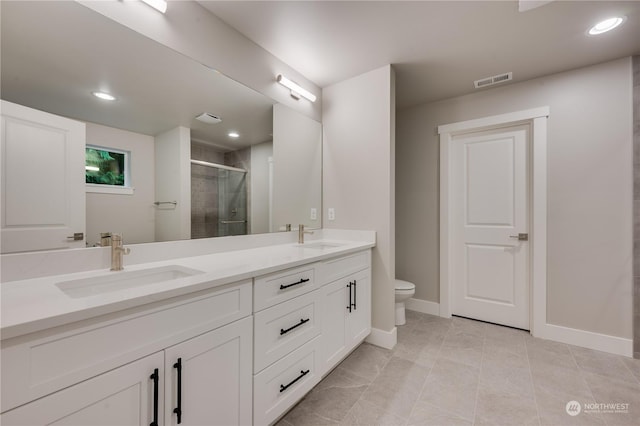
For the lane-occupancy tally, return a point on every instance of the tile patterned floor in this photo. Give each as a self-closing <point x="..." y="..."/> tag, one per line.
<point x="463" y="372"/>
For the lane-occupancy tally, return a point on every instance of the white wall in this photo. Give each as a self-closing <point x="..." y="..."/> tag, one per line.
<point x="131" y="215"/>
<point x="358" y="173"/>
<point x="589" y="195"/>
<point x="259" y="187"/>
<point x="173" y="183"/>
<point x="297" y="168"/>
<point x="195" y="32"/>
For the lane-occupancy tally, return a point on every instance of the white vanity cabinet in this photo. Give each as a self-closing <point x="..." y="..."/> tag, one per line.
<point x="208" y="378"/>
<point x="347" y="306"/>
<point x="102" y="371"/>
<point x="124" y="396"/>
<point x="234" y="354"/>
<point x="301" y="334"/>
<point x="287" y="326"/>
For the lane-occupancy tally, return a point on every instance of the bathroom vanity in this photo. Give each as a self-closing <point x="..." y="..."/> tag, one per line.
<point x="235" y="337"/>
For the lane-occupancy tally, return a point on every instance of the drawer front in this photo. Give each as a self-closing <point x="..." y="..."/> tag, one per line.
<point x="282" y="328"/>
<point x="34" y="366"/>
<point x="280" y="386"/>
<point x="276" y="288"/>
<point x="340" y="267"/>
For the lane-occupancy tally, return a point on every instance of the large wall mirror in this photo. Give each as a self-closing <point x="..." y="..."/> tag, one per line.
<point x="252" y="166"/>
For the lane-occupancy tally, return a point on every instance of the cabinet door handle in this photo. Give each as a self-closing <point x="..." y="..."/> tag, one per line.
<point x="302" y="321"/>
<point x="155" y="377"/>
<point x="350" y="301"/>
<point x="302" y="374"/>
<point x="355" y="297"/>
<point x="302" y="280"/>
<point x="178" y="409"/>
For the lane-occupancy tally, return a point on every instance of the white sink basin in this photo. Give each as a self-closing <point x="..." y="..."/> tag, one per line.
<point x="115" y="281"/>
<point x="320" y="245"/>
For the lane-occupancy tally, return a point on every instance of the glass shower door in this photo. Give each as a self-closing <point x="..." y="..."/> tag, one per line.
<point x="232" y="203"/>
<point x="218" y="201"/>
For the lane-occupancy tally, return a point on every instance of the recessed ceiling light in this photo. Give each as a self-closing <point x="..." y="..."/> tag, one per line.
<point x="104" y="96"/>
<point x="234" y="134"/>
<point x="607" y="25"/>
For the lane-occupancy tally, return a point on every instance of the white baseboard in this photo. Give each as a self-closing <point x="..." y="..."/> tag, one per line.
<point x="571" y="336"/>
<point x="586" y="339"/>
<point x="384" y="339"/>
<point x="423" y="306"/>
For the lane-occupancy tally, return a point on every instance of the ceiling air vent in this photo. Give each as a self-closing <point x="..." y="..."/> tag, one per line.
<point x="489" y="81"/>
<point x="207" y="117"/>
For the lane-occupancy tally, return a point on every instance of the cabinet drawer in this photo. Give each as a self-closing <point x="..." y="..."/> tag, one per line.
<point x="280" y="386"/>
<point x="280" y="286"/>
<point x="284" y="327"/>
<point x="39" y="364"/>
<point x="340" y="267"/>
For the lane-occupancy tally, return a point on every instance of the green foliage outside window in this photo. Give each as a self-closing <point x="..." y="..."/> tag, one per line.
<point x="104" y="167"/>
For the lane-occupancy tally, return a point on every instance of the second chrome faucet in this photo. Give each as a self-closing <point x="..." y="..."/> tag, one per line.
<point x="117" y="252"/>
<point x="301" y="233"/>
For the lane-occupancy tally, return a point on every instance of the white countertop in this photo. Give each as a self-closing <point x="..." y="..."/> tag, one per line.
<point x="36" y="304"/>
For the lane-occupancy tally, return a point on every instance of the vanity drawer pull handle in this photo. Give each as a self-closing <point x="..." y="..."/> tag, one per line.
<point x="302" y="374"/>
<point x="355" y="297"/>
<point x="155" y="378"/>
<point x="302" y="321"/>
<point x="302" y="280"/>
<point x="178" y="409"/>
<point x="350" y="300"/>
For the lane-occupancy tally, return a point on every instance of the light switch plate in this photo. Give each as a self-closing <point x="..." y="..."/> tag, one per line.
<point x="314" y="213"/>
<point x="331" y="213"/>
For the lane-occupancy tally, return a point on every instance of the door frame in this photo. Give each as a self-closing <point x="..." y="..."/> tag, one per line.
<point x="536" y="118"/>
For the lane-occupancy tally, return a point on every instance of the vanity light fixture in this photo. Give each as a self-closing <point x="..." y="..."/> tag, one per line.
<point x="92" y="168"/>
<point x="234" y="135"/>
<point x="104" y="96"/>
<point x="159" y="5"/>
<point x="607" y="25"/>
<point x="296" y="90"/>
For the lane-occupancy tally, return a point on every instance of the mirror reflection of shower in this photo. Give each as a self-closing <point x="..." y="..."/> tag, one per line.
<point x="232" y="202"/>
<point x="218" y="192"/>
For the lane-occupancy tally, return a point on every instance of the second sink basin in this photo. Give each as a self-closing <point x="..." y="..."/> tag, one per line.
<point x="115" y="281"/>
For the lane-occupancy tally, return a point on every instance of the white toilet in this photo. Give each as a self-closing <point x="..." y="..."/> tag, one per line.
<point x="404" y="290"/>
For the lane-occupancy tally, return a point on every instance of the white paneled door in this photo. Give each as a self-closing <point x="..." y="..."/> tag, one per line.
<point x="490" y="252"/>
<point x="43" y="182"/>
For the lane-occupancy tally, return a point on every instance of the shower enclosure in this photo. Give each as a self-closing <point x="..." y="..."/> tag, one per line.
<point x="218" y="200"/>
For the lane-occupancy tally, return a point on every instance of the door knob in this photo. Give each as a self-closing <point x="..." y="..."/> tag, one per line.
<point x="521" y="237"/>
<point x="77" y="236"/>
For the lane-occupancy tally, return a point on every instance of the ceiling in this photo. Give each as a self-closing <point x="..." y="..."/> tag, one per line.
<point x="69" y="51"/>
<point x="438" y="48"/>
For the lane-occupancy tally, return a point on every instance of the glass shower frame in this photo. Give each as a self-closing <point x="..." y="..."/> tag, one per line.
<point x="229" y="214"/>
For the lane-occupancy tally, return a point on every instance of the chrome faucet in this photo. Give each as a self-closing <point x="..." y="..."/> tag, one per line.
<point x="301" y="233"/>
<point x="117" y="251"/>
